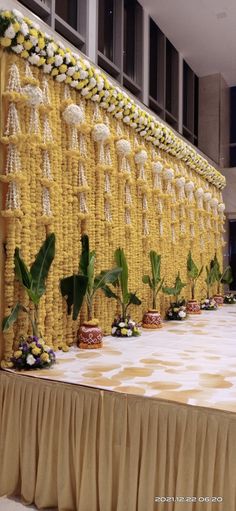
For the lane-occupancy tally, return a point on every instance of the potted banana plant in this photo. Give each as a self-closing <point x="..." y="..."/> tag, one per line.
<point x="193" y="306"/>
<point x="123" y="325"/>
<point x="209" y="303"/>
<point x="84" y="286"/>
<point x="224" y="277"/>
<point x="177" y="309"/>
<point x="152" y="318"/>
<point x="32" y="351"/>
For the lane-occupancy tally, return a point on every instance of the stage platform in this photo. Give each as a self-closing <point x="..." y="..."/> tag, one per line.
<point x="114" y="429"/>
<point x="192" y="361"/>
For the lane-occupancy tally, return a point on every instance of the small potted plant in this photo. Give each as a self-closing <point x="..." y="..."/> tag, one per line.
<point x="85" y="285"/>
<point x="193" y="307"/>
<point x="152" y="318"/>
<point x="221" y="278"/>
<point x="32" y="351"/>
<point x="177" y="309"/>
<point x="230" y="298"/>
<point x="208" y="303"/>
<point x="123" y="325"/>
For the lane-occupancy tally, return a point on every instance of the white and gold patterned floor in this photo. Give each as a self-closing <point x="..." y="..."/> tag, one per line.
<point x="191" y="362"/>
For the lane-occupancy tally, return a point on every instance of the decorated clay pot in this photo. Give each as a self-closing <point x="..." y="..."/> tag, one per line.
<point x="219" y="299"/>
<point x="89" y="335"/>
<point x="193" y="307"/>
<point x="152" y="319"/>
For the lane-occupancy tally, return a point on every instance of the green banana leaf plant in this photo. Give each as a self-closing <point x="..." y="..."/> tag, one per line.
<point x="34" y="282"/>
<point x="155" y="282"/>
<point x="210" y="279"/>
<point x="126" y="298"/>
<point x="176" y="290"/>
<point x="225" y="277"/>
<point x="193" y="273"/>
<point x="85" y="284"/>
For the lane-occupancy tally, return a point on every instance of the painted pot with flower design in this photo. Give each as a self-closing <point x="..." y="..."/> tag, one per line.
<point x="123" y="325"/>
<point x="193" y="306"/>
<point x="152" y="318"/>
<point x="222" y="278"/>
<point x="177" y="309"/>
<point x="85" y="285"/>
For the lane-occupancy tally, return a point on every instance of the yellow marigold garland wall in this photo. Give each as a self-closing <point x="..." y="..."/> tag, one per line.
<point x="118" y="188"/>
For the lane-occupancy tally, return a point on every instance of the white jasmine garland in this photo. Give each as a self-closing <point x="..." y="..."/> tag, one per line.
<point x="71" y="70"/>
<point x="189" y="187"/>
<point x="214" y="202"/>
<point x="123" y="147"/>
<point x="199" y="192"/>
<point x="50" y="49"/>
<point x="47" y="68"/>
<point x="18" y="14"/>
<point x="33" y="40"/>
<point x="73" y="115"/>
<point x="61" y="77"/>
<point x="100" y="132"/>
<point x="83" y="74"/>
<point x="34" y="59"/>
<point x="85" y="91"/>
<point x="207" y="196"/>
<point x="168" y="174"/>
<point x="58" y="60"/>
<point x="180" y="182"/>
<point x="157" y="167"/>
<point x="221" y="207"/>
<point x="141" y="157"/>
<point x="34" y="95"/>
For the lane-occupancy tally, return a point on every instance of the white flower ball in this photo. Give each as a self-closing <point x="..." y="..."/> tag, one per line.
<point x="123" y="147"/>
<point x="207" y="196"/>
<point x="180" y="182"/>
<point x="157" y="167"/>
<point x="189" y="187"/>
<point x="34" y="95"/>
<point x="100" y="132"/>
<point x="214" y="202"/>
<point x="199" y="192"/>
<point x="141" y="157"/>
<point x="73" y="115"/>
<point x="221" y="207"/>
<point x="182" y="314"/>
<point x="169" y="174"/>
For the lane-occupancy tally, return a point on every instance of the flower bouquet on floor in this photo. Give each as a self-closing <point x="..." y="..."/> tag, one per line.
<point x="177" y="310"/>
<point x="230" y="298"/>
<point x="208" y="304"/>
<point x="123" y="325"/>
<point x="33" y="353"/>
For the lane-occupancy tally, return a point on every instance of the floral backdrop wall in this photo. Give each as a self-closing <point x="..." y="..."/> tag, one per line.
<point x="71" y="164"/>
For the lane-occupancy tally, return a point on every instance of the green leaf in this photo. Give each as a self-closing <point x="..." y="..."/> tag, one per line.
<point x="156" y="266"/>
<point x="123" y="277"/>
<point x="215" y="266"/>
<point x="193" y="272"/>
<point x="211" y="277"/>
<point x="90" y="271"/>
<point x="171" y="291"/>
<point x="146" y="280"/>
<point x="174" y="291"/>
<point x="133" y="299"/>
<point x="227" y="276"/>
<point x="9" y="320"/>
<point x="40" y="268"/>
<point x="84" y="258"/>
<point x="109" y="293"/>
<point x="21" y="270"/>
<point x="73" y="288"/>
<point x="106" y="277"/>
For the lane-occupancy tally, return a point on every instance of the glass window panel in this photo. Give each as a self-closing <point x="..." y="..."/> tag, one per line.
<point x="106" y="28"/>
<point x="232" y="115"/>
<point x="129" y="37"/>
<point x="67" y="10"/>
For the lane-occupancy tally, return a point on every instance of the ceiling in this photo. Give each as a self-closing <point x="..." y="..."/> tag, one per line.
<point x="203" y="31"/>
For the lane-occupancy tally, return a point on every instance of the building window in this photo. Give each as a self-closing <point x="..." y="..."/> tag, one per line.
<point x="132" y="41"/>
<point x="232" y="147"/>
<point x="110" y="36"/>
<point x="156" y="69"/>
<point x="67" y="10"/>
<point x="172" y="84"/>
<point x="190" y="104"/>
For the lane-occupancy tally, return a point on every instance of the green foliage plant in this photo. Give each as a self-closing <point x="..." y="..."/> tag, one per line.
<point x="193" y="274"/>
<point x="225" y="277"/>
<point x="85" y="284"/>
<point x="176" y="290"/>
<point x="125" y="298"/>
<point x="155" y="282"/>
<point x="34" y="282"/>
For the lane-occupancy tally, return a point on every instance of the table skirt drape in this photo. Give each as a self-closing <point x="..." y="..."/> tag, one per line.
<point x="85" y="449"/>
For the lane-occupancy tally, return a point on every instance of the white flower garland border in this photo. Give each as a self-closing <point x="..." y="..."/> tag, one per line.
<point x="24" y="37"/>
